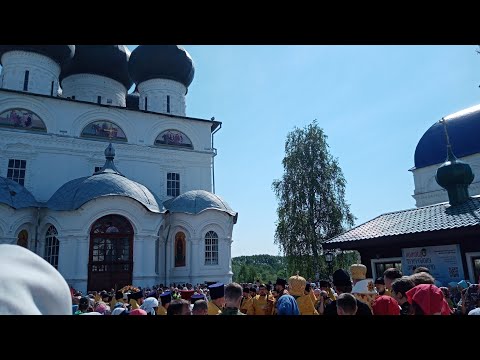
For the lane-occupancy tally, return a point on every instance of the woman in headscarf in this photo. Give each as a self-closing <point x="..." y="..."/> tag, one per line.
<point x="426" y="299"/>
<point x="385" y="305"/>
<point x="150" y="305"/>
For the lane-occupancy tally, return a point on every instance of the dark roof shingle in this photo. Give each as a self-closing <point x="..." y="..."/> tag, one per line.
<point x="428" y="218"/>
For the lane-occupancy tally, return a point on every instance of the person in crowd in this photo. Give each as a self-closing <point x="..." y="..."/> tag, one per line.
<point x="380" y="286"/>
<point x="419" y="269"/>
<point x="470" y="298"/>
<point x="358" y="272"/>
<point x="200" y="307"/>
<point x="326" y="286"/>
<point x="150" y="305"/>
<point x="29" y="285"/>
<point x="102" y="308"/>
<point x="165" y="299"/>
<point x="246" y="300"/>
<point x="217" y="296"/>
<point x="343" y="284"/>
<point x="425" y="299"/>
<point x="136" y="299"/>
<point x="346" y="304"/>
<point x="297" y="288"/>
<point x="261" y="304"/>
<point x="364" y="290"/>
<point x="286" y="305"/>
<point x="233" y="298"/>
<point x="422" y="278"/>
<point x="385" y="305"/>
<point x="400" y="287"/>
<point x="446" y="293"/>
<point x="138" y="312"/>
<point x="388" y="277"/>
<point x="179" y="307"/>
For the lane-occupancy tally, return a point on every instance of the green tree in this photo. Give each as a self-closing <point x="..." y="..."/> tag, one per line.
<point x="311" y="195"/>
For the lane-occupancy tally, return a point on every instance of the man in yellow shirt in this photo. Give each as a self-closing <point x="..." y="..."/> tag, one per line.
<point x="165" y="299"/>
<point x="217" y="296"/>
<point x="261" y="304"/>
<point x="246" y="301"/>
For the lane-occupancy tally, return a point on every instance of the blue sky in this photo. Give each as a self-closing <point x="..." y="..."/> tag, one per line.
<point x="373" y="102"/>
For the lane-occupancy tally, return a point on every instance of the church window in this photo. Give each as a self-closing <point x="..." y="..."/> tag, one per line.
<point x="168" y="103"/>
<point x="51" y="88"/>
<point x="173" y="184"/>
<point x="173" y="138"/>
<point x="25" y="80"/>
<point x="51" y="246"/>
<point x="21" y="119"/>
<point x="180" y="249"/>
<point x="22" y="239"/>
<point x="109" y="101"/>
<point x="146" y="103"/>
<point x="211" y="248"/>
<point x="16" y="170"/>
<point x="104" y="129"/>
<point x="99" y="99"/>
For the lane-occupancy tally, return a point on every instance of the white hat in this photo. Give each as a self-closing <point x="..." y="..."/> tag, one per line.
<point x="475" y="311"/>
<point x="365" y="286"/>
<point x="29" y="285"/>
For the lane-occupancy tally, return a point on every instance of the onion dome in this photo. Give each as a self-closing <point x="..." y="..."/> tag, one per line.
<point x="454" y="176"/>
<point x="463" y="127"/>
<point x="108" y="181"/>
<point x="59" y="53"/>
<point x="105" y="60"/>
<point x="15" y="195"/>
<point x="161" y="62"/>
<point x="196" y="201"/>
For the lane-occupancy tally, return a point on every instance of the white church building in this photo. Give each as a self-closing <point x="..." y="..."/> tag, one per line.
<point x="111" y="188"/>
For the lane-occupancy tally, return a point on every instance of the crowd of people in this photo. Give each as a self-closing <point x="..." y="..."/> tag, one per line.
<point x="24" y="275"/>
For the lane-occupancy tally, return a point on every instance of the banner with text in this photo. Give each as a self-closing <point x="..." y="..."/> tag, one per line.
<point x="444" y="262"/>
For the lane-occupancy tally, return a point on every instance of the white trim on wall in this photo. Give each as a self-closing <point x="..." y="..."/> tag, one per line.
<point x="468" y="257"/>
<point x="373" y="262"/>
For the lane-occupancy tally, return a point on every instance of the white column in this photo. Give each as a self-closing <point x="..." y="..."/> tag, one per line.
<point x="80" y="260"/>
<point x="196" y="255"/>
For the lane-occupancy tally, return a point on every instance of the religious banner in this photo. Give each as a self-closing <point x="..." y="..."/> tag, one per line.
<point x="444" y="262"/>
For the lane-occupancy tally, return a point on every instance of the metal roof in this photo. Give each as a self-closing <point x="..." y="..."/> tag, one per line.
<point x="424" y="219"/>
<point x="15" y="195"/>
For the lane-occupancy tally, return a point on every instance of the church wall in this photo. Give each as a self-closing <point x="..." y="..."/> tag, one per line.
<point x="13" y="221"/>
<point x="156" y="92"/>
<point x="74" y="238"/>
<point x="195" y="227"/>
<point x="428" y="192"/>
<point x="75" y="157"/>
<point x="42" y="71"/>
<point x="88" y="87"/>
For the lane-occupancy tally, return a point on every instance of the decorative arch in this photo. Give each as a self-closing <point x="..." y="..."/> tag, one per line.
<point x="22" y="238"/>
<point x="211" y="248"/>
<point x="22" y="119"/>
<point x="104" y="129"/>
<point x="52" y="246"/>
<point x="173" y="137"/>
<point x="158" y="128"/>
<point x="180" y="249"/>
<point x="35" y="105"/>
<point x="110" y="262"/>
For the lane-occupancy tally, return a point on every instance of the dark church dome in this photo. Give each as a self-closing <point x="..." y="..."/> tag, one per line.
<point x="105" y="60"/>
<point x="161" y="62"/>
<point x="59" y="53"/>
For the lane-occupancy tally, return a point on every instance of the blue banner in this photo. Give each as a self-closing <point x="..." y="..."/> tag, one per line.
<point x="444" y="262"/>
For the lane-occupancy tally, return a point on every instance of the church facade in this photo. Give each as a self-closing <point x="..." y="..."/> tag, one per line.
<point x="111" y="188"/>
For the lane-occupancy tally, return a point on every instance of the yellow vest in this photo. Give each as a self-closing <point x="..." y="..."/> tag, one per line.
<point x="134" y="304"/>
<point x="260" y="306"/>
<point x="306" y="306"/>
<point x="161" y="310"/>
<point x="213" y="309"/>
<point x="246" y="305"/>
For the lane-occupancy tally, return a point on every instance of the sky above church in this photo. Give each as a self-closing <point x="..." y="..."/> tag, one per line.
<point x="373" y="102"/>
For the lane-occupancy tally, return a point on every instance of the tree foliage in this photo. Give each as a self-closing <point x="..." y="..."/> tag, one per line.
<point x="311" y="195"/>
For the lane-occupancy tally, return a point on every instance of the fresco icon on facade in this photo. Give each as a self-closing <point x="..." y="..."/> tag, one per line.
<point x="174" y="138"/>
<point x="104" y="129"/>
<point x="21" y="119"/>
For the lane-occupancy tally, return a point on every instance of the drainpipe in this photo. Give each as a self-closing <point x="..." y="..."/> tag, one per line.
<point x="165" y="258"/>
<point x="213" y="159"/>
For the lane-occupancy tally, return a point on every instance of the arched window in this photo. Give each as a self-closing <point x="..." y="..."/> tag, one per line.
<point x="211" y="248"/>
<point x="173" y="138"/>
<point x="179" y="249"/>
<point x="22" y="239"/>
<point x="104" y="129"/>
<point x="51" y="246"/>
<point x="22" y="119"/>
